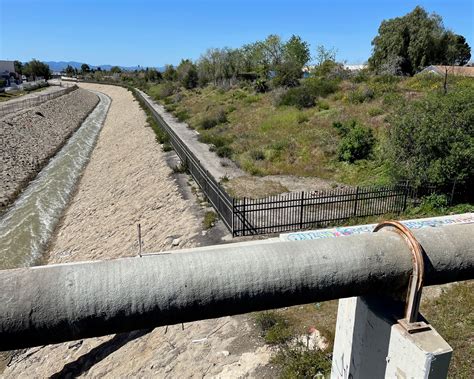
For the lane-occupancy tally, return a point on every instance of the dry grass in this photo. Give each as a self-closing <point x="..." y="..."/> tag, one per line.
<point x="255" y="188"/>
<point x="451" y="315"/>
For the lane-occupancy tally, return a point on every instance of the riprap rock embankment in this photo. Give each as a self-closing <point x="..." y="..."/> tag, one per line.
<point x="28" y="139"/>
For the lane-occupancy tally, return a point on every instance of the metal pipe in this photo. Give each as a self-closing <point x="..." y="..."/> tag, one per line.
<point x="56" y="303"/>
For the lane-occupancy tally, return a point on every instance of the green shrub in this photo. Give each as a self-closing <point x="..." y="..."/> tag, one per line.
<point x="208" y="123"/>
<point x="360" y="95"/>
<point x="434" y="203"/>
<point x="301" y="118"/>
<point x="431" y="141"/>
<point x="257" y="155"/>
<point x="210" y="219"/>
<point x="323" y="105"/>
<point x="274" y="328"/>
<point x="321" y="87"/>
<point x="300" y="362"/>
<point x="376" y="111"/>
<point x="299" y="97"/>
<point x="357" y="142"/>
<point x="182" y="115"/>
<point x="211" y="121"/>
<point x="260" y="86"/>
<point x="224" y="151"/>
<point x="393" y="99"/>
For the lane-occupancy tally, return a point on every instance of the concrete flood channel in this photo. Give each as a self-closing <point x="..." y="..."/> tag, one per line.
<point x="26" y="227"/>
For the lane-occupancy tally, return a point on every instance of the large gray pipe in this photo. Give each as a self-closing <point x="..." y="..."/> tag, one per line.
<point x="50" y="304"/>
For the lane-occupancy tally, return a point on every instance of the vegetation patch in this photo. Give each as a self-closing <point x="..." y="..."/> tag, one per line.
<point x="210" y="219"/>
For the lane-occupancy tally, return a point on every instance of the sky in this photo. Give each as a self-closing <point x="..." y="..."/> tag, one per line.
<point x="155" y="33"/>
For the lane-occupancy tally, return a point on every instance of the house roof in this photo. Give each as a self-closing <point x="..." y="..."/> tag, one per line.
<point x="453" y="70"/>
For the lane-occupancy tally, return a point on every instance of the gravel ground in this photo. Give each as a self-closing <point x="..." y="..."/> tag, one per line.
<point x="127" y="181"/>
<point x="28" y="139"/>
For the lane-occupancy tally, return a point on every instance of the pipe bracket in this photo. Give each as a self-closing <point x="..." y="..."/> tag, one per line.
<point x="415" y="285"/>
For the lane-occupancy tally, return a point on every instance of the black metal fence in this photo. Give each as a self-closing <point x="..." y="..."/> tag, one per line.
<point x="293" y="211"/>
<point x="303" y="210"/>
<point x="216" y="195"/>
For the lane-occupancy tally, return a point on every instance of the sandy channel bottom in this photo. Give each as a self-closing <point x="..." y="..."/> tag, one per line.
<point x="127" y="182"/>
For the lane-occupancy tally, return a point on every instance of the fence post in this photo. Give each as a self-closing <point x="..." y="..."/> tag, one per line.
<point x="243" y="217"/>
<point x="301" y="209"/>
<point x="233" y="217"/>
<point x="355" y="204"/>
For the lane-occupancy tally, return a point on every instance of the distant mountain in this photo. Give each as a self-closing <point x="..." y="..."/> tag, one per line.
<point x="61" y="65"/>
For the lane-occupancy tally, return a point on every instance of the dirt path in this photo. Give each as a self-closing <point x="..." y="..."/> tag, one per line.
<point x="218" y="167"/>
<point x="127" y="181"/>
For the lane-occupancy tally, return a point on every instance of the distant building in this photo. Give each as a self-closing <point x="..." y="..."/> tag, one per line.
<point x="452" y="70"/>
<point x="355" y="67"/>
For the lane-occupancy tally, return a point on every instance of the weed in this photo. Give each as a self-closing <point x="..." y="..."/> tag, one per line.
<point x="257" y="155"/>
<point x="181" y="168"/>
<point x="224" y="151"/>
<point x="301" y="118"/>
<point x="182" y="115"/>
<point x="375" y="111"/>
<point x="300" y="362"/>
<point x="210" y="219"/>
<point x="274" y="328"/>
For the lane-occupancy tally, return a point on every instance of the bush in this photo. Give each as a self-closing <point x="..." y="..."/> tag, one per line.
<point x="210" y="219"/>
<point x="182" y="115"/>
<point x="321" y="87"/>
<point x="299" y="97"/>
<point x="360" y="95"/>
<point x="208" y="123"/>
<point x="257" y="155"/>
<point x="299" y="362"/>
<point x="357" y="142"/>
<point x="224" y="151"/>
<point x="323" y="105"/>
<point x="301" y="118"/>
<point x="274" y="328"/>
<point x="431" y="141"/>
<point x="376" y="111"/>
<point x="211" y="121"/>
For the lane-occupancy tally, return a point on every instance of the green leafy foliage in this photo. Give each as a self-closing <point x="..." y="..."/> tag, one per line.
<point x="274" y="328"/>
<point x="300" y="97"/>
<point x="431" y="141"/>
<point x="357" y="141"/>
<point x="300" y="362"/>
<point x="405" y="45"/>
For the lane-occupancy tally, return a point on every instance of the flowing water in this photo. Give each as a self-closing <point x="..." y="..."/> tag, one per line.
<point x="28" y="224"/>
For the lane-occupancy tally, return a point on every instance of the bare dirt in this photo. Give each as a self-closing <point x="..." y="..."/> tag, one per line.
<point x="127" y="182"/>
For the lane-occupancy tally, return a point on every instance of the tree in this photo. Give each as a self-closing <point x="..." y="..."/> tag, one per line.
<point x="297" y="51"/>
<point x="458" y="51"/>
<point x="115" y="70"/>
<point x="295" y="55"/>
<point x="431" y="141"/>
<point x="324" y="55"/>
<point x="85" y="69"/>
<point x="153" y="75"/>
<point x="415" y="41"/>
<point x="36" y="69"/>
<point x="69" y="70"/>
<point x="170" y="73"/>
<point x="187" y="74"/>
<point x="18" y="67"/>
